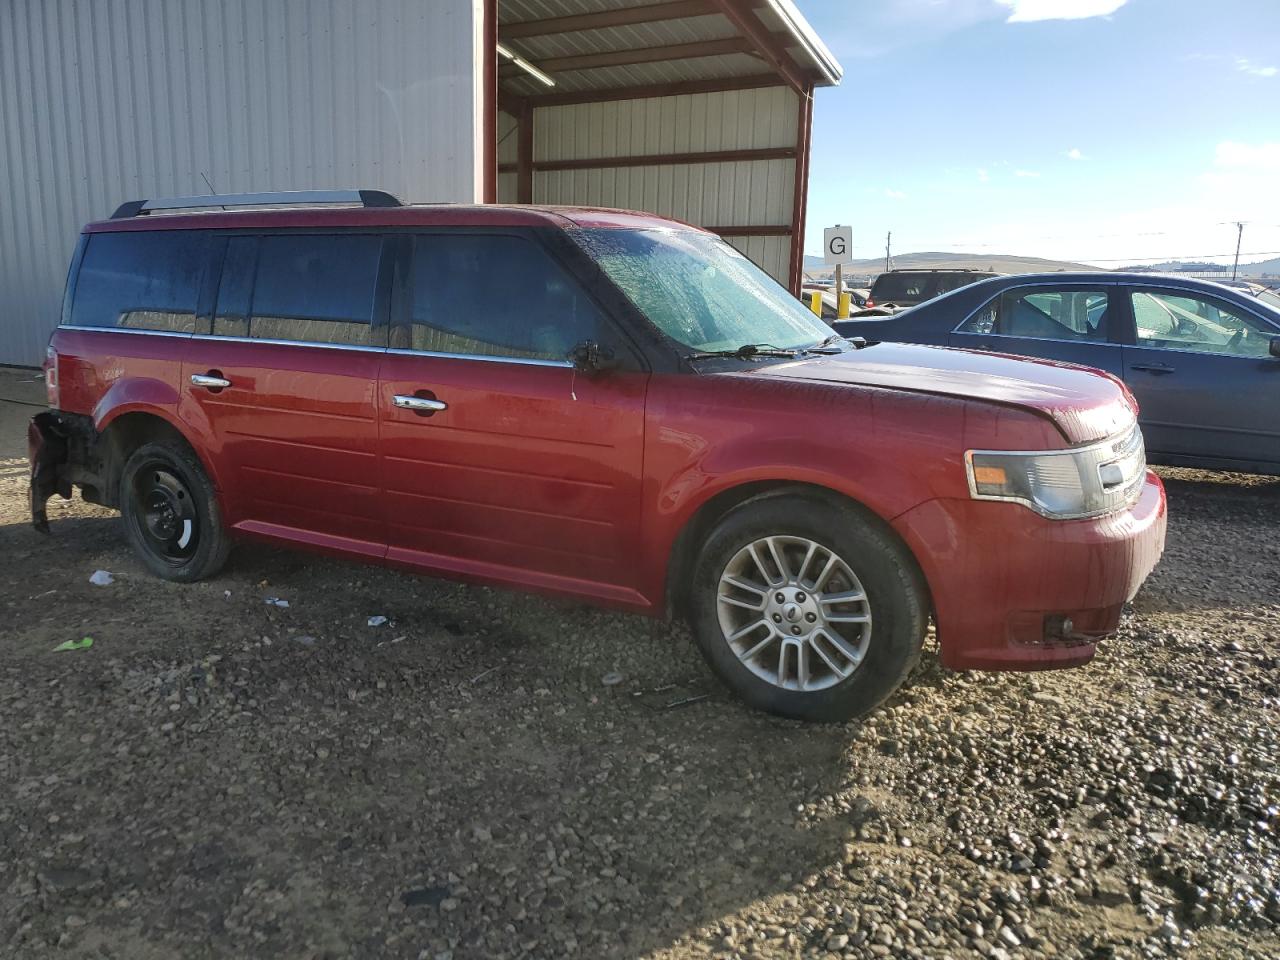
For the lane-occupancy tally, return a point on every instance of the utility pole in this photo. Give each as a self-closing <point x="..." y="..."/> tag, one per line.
<point x="1239" y="234"/>
<point x="887" y="237"/>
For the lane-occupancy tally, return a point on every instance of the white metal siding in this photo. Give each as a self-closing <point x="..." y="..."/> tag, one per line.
<point x="109" y="100"/>
<point x="723" y="194"/>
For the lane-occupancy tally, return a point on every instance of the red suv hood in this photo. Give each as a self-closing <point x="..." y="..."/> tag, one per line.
<point x="1086" y="405"/>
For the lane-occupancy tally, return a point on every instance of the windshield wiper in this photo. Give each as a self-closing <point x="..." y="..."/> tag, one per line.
<point x="745" y="352"/>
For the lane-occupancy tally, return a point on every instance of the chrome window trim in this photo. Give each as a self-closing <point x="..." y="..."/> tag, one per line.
<point x="271" y="341"/>
<point x="153" y="333"/>
<point x="524" y="361"/>
<point x="1134" y="485"/>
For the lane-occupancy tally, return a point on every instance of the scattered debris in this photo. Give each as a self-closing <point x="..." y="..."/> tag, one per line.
<point x="306" y="641"/>
<point x="425" y="896"/>
<point x="84" y="643"/>
<point x="101" y="578"/>
<point x="377" y="621"/>
<point x="688" y="700"/>
<point x="226" y="594"/>
<point x="480" y="676"/>
<point x="612" y="679"/>
<point x="277" y="602"/>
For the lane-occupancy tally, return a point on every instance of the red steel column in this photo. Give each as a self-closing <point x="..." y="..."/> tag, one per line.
<point x="804" y="133"/>
<point x="489" y="94"/>
<point x="524" y="155"/>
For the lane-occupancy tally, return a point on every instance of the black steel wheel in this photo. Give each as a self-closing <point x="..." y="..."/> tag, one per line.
<point x="171" y="513"/>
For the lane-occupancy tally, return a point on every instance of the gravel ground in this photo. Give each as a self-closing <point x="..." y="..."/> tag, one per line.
<point x="219" y="777"/>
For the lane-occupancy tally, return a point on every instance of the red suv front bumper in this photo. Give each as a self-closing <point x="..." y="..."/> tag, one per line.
<point x="1003" y="578"/>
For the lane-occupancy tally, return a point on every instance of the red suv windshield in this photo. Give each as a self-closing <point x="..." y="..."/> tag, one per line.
<point x="700" y="291"/>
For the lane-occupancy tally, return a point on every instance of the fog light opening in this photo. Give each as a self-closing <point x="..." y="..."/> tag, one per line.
<point x="1058" y="627"/>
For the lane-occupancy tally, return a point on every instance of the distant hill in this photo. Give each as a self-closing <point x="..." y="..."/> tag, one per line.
<point x="1269" y="268"/>
<point x="999" y="262"/>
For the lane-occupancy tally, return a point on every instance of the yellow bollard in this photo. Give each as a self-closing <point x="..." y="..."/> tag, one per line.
<point x="815" y="302"/>
<point x="845" y="302"/>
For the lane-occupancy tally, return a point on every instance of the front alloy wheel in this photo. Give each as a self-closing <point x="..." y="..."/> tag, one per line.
<point x="794" y="613"/>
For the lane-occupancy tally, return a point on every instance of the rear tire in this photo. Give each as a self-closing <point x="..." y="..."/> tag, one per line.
<point x="826" y="582"/>
<point x="171" y="515"/>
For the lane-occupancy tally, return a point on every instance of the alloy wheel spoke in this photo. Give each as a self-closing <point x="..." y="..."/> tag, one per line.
<point x="837" y="617"/>
<point x="842" y="671"/>
<point x="743" y="584"/>
<point x="804" y="564"/>
<point x="760" y="565"/>
<point x="748" y="629"/>
<point x="846" y="596"/>
<point x="745" y="605"/>
<point x="841" y="646"/>
<point x="779" y="558"/>
<point x="763" y="644"/>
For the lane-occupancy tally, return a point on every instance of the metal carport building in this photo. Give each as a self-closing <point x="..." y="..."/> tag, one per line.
<point x="695" y="109"/>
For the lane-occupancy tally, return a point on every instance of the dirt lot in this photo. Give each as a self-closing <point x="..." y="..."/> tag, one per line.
<point x="220" y="777"/>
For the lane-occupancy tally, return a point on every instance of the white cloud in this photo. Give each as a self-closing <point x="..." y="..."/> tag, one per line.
<point x="1245" y="65"/>
<point x="1249" y="156"/>
<point x="1029" y="11"/>
<point x="1025" y="173"/>
<point x="895" y="195"/>
<point x="983" y="176"/>
<point x="1075" y="154"/>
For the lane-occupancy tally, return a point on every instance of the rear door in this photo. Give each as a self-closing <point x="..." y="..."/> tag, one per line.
<point x="1206" y="383"/>
<point x="501" y="461"/>
<point x="1071" y="322"/>
<point x="284" y="387"/>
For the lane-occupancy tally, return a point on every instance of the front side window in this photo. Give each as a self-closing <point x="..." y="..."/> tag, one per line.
<point x="308" y="289"/>
<point x="1176" y="321"/>
<point x="700" y="291"/>
<point x="495" y="296"/>
<point x="1042" y="314"/>
<point x="140" y="281"/>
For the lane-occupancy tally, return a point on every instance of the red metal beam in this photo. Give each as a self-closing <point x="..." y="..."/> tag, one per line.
<point x="767" y="44"/>
<point x="625" y="58"/>
<point x="489" y="94"/>
<point x="754" y="230"/>
<point x="663" y="159"/>
<point x="524" y="154"/>
<point x="650" y="13"/>
<point x="804" y="134"/>
<point x="645" y="91"/>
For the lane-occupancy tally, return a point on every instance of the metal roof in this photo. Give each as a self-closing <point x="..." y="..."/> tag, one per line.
<point x="657" y="42"/>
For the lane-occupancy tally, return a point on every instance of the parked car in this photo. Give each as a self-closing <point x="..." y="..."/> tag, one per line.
<point x="1202" y="360"/>
<point x="896" y="289"/>
<point x="830" y="303"/>
<point x="653" y="425"/>
<point x="1270" y="295"/>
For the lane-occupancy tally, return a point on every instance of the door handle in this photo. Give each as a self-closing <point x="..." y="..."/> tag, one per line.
<point x="209" y="380"/>
<point x="418" y="404"/>
<point x="1157" y="368"/>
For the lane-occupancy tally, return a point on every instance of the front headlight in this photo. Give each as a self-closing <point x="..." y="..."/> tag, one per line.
<point x="1063" y="484"/>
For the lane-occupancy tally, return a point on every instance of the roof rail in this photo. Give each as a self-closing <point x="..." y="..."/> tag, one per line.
<point x="367" y="198"/>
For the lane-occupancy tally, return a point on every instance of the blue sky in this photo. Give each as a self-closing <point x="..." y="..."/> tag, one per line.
<point x="1095" y="130"/>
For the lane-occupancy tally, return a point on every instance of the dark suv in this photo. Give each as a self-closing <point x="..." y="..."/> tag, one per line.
<point x="639" y="418"/>
<point x="906" y="288"/>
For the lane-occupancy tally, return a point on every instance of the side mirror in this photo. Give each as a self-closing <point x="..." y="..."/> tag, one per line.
<point x="1275" y="346"/>
<point x="590" y="357"/>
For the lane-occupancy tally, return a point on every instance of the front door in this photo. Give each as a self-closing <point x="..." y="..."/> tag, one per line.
<point x="285" y="387"/>
<point x="1069" y="322"/>
<point x="501" y="461"/>
<point x="1206" y="383"/>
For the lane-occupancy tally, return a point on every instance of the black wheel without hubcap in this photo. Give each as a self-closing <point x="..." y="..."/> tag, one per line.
<point x="785" y="596"/>
<point x="171" y="512"/>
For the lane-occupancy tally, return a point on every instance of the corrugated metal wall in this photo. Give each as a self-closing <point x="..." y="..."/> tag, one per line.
<point x="109" y="100"/>
<point x="508" y="152"/>
<point x="722" y="194"/>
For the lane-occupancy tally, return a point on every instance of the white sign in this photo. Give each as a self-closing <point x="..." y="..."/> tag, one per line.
<point x="836" y="244"/>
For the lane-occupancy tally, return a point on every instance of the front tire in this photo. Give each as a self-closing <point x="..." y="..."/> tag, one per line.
<point x="807" y="609"/>
<point x="170" y="511"/>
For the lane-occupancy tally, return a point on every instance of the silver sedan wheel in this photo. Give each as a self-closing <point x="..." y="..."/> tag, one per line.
<point x="794" y="613"/>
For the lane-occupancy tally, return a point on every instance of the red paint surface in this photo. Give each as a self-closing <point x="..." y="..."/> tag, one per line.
<point x="542" y="478"/>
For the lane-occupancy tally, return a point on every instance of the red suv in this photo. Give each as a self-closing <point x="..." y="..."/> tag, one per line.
<point x="595" y="404"/>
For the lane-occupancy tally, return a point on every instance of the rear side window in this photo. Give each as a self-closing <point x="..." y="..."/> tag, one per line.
<point x="1041" y="314"/>
<point x="309" y="289"/>
<point x="495" y="296"/>
<point x="140" y="281"/>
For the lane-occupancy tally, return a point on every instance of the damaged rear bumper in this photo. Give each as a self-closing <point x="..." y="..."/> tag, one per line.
<point x="47" y="447"/>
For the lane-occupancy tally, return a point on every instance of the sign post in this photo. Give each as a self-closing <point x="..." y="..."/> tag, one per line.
<point x="837" y="242"/>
